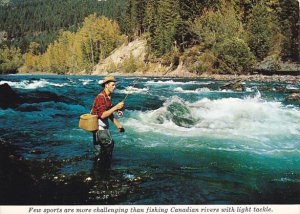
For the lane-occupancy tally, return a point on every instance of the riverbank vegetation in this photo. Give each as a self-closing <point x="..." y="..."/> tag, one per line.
<point x="220" y="37"/>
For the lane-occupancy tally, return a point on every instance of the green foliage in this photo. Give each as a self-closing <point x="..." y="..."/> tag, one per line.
<point x="150" y="16"/>
<point x="215" y="26"/>
<point x="112" y="67"/>
<point x="288" y="15"/>
<point x="40" y="20"/>
<point x="10" y="59"/>
<point x="168" y="20"/>
<point x="99" y="36"/>
<point x="199" y="60"/>
<point x="72" y="42"/>
<point x="261" y="28"/>
<point x="132" y="22"/>
<point x="132" y="64"/>
<point x="80" y="50"/>
<point x="220" y="34"/>
<point x="233" y="56"/>
<point x="171" y="58"/>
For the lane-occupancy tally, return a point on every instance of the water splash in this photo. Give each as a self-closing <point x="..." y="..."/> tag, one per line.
<point x="172" y="82"/>
<point x="133" y="90"/>
<point x="26" y="84"/>
<point x="257" y="123"/>
<point x="196" y="91"/>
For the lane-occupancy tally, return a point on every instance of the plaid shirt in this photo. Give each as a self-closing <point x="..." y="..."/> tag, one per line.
<point x="101" y="104"/>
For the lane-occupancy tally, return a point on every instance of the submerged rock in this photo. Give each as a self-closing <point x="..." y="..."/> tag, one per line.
<point x="292" y="90"/>
<point x="12" y="99"/>
<point x="276" y="88"/>
<point x="180" y="115"/>
<point x="293" y="97"/>
<point x="236" y="86"/>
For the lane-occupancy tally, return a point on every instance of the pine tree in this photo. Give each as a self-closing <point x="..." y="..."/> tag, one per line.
<point x="288" y="18"/>
<point x="261" y="28"/>
<point x="168" y="19"/>
<point x="150" y="15"/>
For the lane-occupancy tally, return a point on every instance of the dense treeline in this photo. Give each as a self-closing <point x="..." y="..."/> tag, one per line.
<point x="40" y="20"/>
<point x="231" y="34"/>
<point x="167" y="13"/>
<point x="206" y="35"/>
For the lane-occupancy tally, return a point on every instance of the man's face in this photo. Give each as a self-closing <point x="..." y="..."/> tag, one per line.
<point x="111" y="86"/>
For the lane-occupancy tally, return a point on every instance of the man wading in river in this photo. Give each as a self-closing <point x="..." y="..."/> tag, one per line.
<point x="102" y="107"/>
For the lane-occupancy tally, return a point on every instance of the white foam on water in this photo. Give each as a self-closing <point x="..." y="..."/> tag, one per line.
<point x="291" y="87"/>
<point x="171" y="82"/>
<point x="133" y="90"/>
<point x="85" y="81"/>
<point x="257" y="125"/>
<point x="128" y="176"/>
<point x="287" y="180"/>
<point x="196" y="91"/>
<point x="26" y="84"/>
<point x="248" y="89"/>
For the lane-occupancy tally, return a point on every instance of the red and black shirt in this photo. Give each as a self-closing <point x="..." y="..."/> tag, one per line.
<point x="101" y="104"/>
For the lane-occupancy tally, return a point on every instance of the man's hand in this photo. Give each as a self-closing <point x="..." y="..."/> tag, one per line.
<point x="119" y="106"/>
<point x="121" y="129"/>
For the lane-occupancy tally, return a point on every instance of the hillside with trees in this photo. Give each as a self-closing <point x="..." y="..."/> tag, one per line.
<point x="215" y="36"/>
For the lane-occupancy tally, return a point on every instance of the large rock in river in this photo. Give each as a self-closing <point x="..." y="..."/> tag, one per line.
<point x="293" y="97"/>
<point x="11" y="99"/>
<point x="8" y="97"/>
<point x="236" y="86"/>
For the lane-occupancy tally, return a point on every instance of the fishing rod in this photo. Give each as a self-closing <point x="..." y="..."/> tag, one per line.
<point x="119" y="112"/>
<point x="130" y="87"/>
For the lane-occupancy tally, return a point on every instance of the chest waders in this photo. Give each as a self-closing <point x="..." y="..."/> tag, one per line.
<point x="103" y="145"/>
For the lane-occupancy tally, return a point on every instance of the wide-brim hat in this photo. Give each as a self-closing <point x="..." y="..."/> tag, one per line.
<point x="107" y="79"/>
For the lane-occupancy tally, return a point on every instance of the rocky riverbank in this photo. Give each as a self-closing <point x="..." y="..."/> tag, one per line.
<point x="255" y="77"/>
<point x="292" y="79"/>
<point x="269" y="70"/>
<point x="133" y="56"/>
<point x="251" y="77"/>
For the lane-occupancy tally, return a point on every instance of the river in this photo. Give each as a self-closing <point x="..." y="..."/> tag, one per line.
<point x="187" y="140"/>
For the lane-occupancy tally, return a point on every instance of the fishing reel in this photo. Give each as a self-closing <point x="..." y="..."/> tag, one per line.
<point x="120" y="112"/>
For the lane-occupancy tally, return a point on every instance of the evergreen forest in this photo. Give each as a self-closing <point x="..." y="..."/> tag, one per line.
<point x="217" y="36"/>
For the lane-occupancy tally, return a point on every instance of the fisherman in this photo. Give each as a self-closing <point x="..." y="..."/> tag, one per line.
<point x="102" y="107"/>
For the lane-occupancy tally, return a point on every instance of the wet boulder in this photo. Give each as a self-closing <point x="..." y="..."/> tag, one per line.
<point x="235" y="86"/>
<point x="266" y="88"/>
<point x="293" y="90"/>
<point x="8" y="97"/>
<point x="281" y="89"/>
<point x="180" y="115"/>
<point x="11" y="99"/>
<point x="293" y="97"/>
<point x="278" y="88"/>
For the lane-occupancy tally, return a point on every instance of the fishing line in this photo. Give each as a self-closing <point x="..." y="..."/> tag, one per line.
<point x="120" y="112"/>
<point x="131" y="87"/>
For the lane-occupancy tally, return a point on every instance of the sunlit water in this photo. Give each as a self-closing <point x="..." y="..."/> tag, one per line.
<point x="195" y="143"/>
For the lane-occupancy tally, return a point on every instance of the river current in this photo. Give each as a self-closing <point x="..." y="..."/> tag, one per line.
<point x="193" y="142"/>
